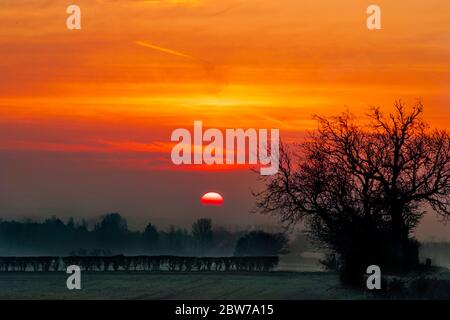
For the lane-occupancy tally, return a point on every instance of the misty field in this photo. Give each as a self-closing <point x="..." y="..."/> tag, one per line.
<point x="163" y="285"/>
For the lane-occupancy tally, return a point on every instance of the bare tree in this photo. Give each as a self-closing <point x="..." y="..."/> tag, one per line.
<point x="361" y="189"/>
<point x="203" y="234"/>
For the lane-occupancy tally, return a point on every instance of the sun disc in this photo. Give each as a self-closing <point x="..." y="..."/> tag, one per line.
<point x="212" y="199"/>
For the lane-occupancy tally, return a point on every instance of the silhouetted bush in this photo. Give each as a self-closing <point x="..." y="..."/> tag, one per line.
<point x="260" y="243"/>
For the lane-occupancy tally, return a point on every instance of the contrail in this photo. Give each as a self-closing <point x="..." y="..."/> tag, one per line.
<point x="274" y="120"/>
<point x="176" y="53"/>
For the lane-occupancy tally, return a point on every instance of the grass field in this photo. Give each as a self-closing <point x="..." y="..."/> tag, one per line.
<point x="118" y="285"/>
<point x="203" y="285"/>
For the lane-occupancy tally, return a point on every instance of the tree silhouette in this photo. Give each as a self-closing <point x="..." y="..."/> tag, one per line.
<point x="202" y="233"/>
<point x="150" y="237"/>
<point x="112" y="230"/>
<point x="177" y="240"/>
<point x="361" y="189"/>
<point x="260" y="243"/>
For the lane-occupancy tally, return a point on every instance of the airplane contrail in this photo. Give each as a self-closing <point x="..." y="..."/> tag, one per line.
<point x="274" y="120"/>
<point x="161" y="49"/>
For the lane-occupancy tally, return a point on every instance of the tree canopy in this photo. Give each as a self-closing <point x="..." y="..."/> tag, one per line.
<point x="361" y="188"/>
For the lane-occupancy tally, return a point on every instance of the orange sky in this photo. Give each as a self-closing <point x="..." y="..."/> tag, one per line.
<point x="113" y="91"/>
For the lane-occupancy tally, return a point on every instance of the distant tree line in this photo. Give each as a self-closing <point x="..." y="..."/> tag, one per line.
<point x="140" y="263"/>
<point x="111" y="236"/>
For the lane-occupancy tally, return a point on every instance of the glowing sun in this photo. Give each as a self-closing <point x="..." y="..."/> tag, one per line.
<point x="212" y="199"/>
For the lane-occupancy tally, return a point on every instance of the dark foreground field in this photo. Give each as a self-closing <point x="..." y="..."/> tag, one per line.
<point x="120" y="285"/>
<point x="203" y="285"/>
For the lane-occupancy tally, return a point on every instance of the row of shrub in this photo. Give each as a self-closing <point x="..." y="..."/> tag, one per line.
<point x="140" y="263"/>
